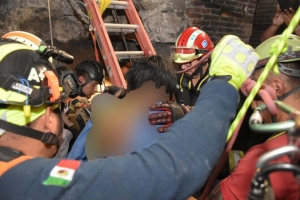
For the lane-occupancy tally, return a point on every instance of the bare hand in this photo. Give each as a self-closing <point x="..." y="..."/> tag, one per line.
<point x="278" y="18"/>
<point x="287" y="15"/>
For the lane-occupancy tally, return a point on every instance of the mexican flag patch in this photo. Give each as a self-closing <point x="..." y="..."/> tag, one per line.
<point x="62" y="174"/>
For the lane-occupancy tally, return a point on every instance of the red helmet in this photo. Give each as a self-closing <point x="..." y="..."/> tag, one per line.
<point x="191" y="44"/>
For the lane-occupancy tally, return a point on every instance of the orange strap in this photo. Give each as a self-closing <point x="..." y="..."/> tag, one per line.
<point x="53" y="83"/>
<point x="5" y="166"/>
<point x="95" y="46"/>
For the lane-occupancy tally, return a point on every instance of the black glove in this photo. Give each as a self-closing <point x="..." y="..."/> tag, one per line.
<point x="116" y="91"/>
<point x="166" y="114"/>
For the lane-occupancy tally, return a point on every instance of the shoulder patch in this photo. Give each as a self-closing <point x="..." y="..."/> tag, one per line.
<point x="62" y="174"/>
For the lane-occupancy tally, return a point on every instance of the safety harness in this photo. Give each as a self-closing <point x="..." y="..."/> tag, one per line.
<point x="186" y="86"/>
<point x="8" y="154"/>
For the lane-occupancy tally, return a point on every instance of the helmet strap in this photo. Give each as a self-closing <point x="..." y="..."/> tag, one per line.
<point x="295" y="89"/>
<point x="186" y="80"/>
<point x="47" y="138"/>
<point x="81" y="87"/>
<point x="81" y="93"/>
<point x="198" y="70"/>
<point x="8" y="154"/>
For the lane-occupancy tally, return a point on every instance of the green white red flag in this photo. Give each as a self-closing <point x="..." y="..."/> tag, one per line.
<point x="62" y="174"/>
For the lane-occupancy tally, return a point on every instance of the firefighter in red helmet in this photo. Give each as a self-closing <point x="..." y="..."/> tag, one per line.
<point x="190" y="46"/>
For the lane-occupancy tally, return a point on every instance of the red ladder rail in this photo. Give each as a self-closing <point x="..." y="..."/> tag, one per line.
<point x="101" y="29"/>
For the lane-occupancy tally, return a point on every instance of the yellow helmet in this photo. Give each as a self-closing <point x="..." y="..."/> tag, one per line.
<point x="28" y="84"/>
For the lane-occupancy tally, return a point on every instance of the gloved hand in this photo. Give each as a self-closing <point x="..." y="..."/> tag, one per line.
<point x="233" y="59"/>
<point x="116" y="91"/>
<point x="165" y="114"/>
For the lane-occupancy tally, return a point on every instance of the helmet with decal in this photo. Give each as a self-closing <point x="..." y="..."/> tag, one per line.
<point x="36" y="43"/>
<point x="288" y="62"/>
<point x="292" y="54"/>
<point x="93" y="68"/>
<point x="28" y="84"/>
<point x="190" y="45"/>
<point x="67" y="77"/>
<point x="24" y="38"/>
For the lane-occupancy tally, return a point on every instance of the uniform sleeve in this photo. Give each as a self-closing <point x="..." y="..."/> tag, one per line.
<point x="238" y="184"/>
<point x="174" y="167"/>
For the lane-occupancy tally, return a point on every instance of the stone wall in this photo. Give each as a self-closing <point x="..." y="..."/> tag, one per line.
<point x="164" y="20"/>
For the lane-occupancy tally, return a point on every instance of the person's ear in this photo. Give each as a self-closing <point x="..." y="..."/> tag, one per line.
<point x="279" y="87"/>
<point x="49" y="119"/>
<point x="81" y="79"/>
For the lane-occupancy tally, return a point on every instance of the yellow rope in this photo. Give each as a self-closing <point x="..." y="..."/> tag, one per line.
<point x="279" y="47"/>
<point x="103" y="4"/>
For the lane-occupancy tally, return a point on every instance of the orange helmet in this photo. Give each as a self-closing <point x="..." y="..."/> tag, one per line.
<point x="191" y="44"/>
<point x="25" y="38"/>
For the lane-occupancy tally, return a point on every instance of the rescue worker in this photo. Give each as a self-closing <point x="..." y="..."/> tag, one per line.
<point x="173" y="167"/>
<point x="286" y="86"/>
<point x="90" y="73"/>
<point x="190" y="46"/>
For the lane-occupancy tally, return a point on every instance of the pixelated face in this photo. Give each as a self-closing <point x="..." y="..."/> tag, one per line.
<point x="121" y="125"/>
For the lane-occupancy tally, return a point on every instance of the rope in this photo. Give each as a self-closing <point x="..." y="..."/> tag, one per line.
<point x="279" y="47"/>
<point x="50" y="24"/>
<point x="103" y="4"/>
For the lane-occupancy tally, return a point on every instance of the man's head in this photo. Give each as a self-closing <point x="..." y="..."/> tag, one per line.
<point x="90" y="73"/>
<point x="30" y="93"/>
<point x="190" y="46"/>
<point x="125" y="66"/>
<point x="287" y="83"/>
<point x="153" y="68"/>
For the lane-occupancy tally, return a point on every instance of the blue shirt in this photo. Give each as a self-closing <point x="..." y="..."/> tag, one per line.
<point x="77" y="151"/>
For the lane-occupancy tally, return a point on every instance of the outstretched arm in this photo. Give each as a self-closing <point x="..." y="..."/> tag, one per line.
<point x="174" y="167"/>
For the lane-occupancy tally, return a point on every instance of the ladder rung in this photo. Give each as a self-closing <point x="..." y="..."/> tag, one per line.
<point x="129" y="54"/>
<point x="118" y="4"/>
<point x="110" y="27"/>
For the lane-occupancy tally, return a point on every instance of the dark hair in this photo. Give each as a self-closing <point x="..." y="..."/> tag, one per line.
<point x="153" y="68"/>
